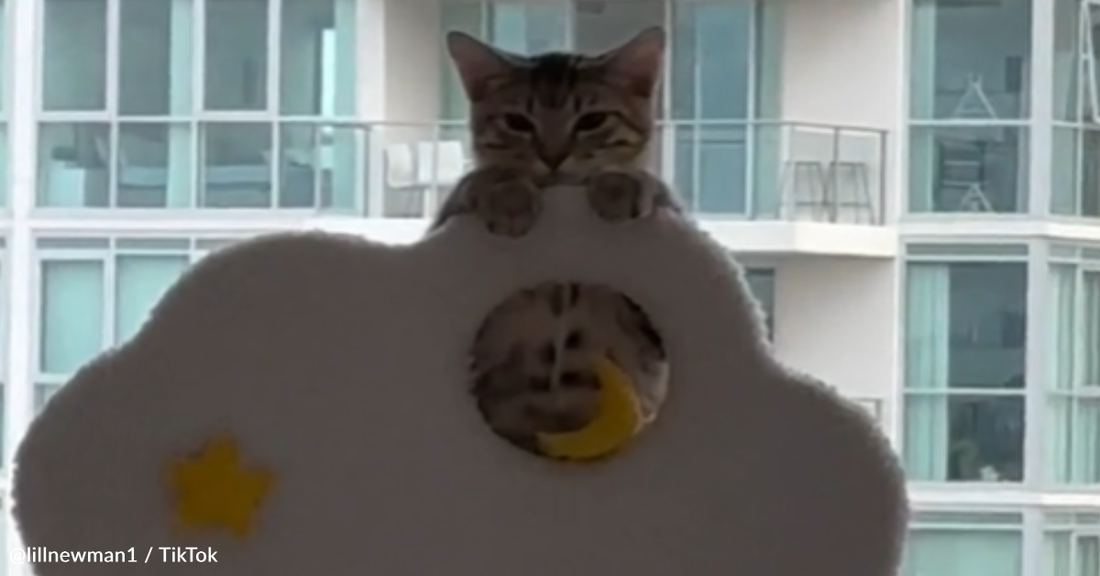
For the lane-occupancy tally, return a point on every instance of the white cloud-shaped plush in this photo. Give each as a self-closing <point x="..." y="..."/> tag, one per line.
<point x="340" y="364"/>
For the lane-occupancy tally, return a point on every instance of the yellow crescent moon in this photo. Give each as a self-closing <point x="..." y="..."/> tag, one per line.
<point x="617" y="420"/>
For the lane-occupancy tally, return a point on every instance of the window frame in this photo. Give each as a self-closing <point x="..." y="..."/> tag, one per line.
<point x="196" y="119"/>
<point x="917" y="127"/>
<point x="106" y="254"/>
<point x="1084" y="260"/>
<point x="961" y="250"/>
<point x="1077" y="526"/>
<point x="998" y="520"/>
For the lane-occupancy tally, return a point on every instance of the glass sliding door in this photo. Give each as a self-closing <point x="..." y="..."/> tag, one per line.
<point x="710" y="72"/>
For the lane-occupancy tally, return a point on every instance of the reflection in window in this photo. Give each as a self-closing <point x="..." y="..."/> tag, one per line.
<point x="317" y="70"/>
<point x="968" y="169"/>
<point x="969" y="549"/>
<point x="74" y="165"/>
<point x="155" y="57"/>
<point x="74" y="55"/>
<point x="235" y="68"/>
<point x="964" y="375"/>
<point x="1073" y="416"/>
<point x="970" y="60"/>
<point x="236" y="165"/>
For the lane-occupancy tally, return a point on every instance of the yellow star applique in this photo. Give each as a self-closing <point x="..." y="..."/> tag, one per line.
<point x="213" y="489"/>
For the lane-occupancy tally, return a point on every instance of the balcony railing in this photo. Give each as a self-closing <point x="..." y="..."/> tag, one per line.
<point x="729" y="170"/>
<point x="732" y="170"/>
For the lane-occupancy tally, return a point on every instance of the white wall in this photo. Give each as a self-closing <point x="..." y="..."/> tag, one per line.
<point x="842" y="61"/>
<point x="413" y="52"/>
<point x="836" y="318"/>
<point x="843" y="65"/>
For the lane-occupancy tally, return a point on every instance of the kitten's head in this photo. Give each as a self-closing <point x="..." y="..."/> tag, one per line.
<point x="560" y="111"/>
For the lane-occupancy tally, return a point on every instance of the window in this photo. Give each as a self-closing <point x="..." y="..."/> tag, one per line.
<point x="236" y="65"/>
<point x="1071" y="544"/>
<point x="969" y="86"/>
<point x="965" y="326"/>
<point x="198" y="112"/>
<point x="964" y="544"/>
<point x="74" y="55"/>
<point x="95" y="293"/>
<point x="1073" y="385"/>
<point x="1075" y="170"/>
<point x="1075" y="190"/>
<point x="716" y="55"/>
<point x="968" y="168"/>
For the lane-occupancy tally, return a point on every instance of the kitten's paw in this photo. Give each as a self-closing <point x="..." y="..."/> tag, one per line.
<point x="618" y="195"/>
<point x="508" y="203"/>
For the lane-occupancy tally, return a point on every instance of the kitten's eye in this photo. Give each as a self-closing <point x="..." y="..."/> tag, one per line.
<point x="590" y="121"/>
<point x="519" y="123"/>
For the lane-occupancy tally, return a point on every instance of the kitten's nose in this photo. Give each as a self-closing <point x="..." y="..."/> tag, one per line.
<point x="553" y="159"/>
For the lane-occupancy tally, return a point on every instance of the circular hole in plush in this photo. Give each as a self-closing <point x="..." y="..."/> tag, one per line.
<point x="540" y="372"/>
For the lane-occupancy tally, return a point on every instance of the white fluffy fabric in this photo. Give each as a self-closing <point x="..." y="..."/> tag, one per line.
<point x="340" y="363"/>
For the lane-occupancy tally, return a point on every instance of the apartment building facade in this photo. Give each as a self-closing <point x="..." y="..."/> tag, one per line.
<point x="913" y="186"/>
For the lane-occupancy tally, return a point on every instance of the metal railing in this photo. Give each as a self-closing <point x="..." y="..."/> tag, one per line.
<point x="732" y="170"/>
<point x="722" y="169"/>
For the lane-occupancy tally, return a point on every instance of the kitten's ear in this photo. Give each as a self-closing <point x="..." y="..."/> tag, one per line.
<point x="476" y="62"/>
<point x="639" y="61"/>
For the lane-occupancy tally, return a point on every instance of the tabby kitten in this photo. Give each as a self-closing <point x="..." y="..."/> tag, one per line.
<point x="534" y="120"/>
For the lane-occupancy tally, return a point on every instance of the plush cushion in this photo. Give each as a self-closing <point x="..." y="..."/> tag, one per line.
<point x="339" y="365"/>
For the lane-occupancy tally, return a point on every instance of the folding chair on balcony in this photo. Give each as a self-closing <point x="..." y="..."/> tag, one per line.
<point x="439" y="166"/>
<point x="404" y="195"/>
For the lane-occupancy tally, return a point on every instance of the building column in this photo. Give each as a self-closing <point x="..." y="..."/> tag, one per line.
<point x="23" y="18"/>
<point x="1041" y="128"/>
<point x="371" y="90"/>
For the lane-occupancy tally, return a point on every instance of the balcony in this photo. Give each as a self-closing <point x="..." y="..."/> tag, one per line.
<point x="761" y="187"/>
